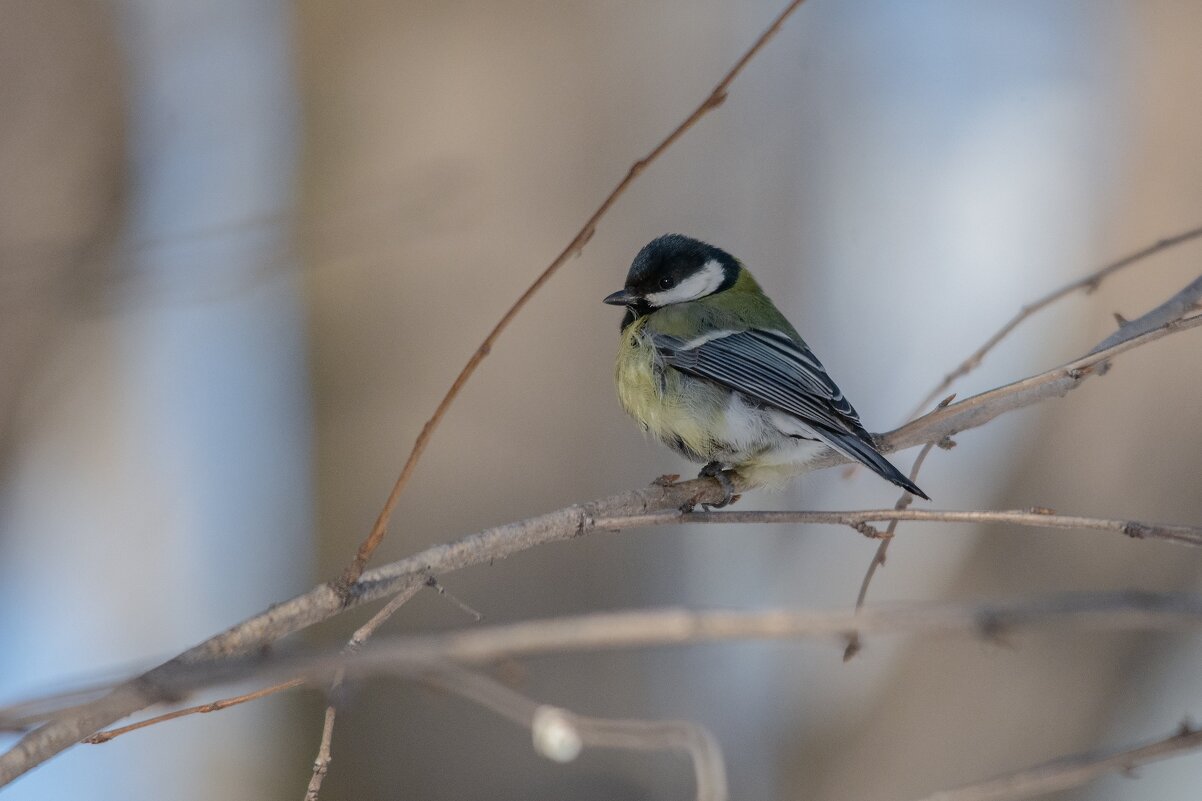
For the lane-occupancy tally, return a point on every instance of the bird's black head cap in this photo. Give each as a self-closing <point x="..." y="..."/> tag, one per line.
<point x="673" y="269"/>
<point x="669" y="259"/>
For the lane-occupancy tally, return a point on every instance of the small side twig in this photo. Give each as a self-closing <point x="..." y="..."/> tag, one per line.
<point x="854" y="646"/>
<point x="201" y="709"/>
<point x="321" y="763"/>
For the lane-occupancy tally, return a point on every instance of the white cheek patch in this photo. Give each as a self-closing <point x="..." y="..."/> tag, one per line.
<point x="701" y="283"/>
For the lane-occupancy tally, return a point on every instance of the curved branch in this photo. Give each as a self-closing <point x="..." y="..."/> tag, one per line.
<point x="560" y="734"/>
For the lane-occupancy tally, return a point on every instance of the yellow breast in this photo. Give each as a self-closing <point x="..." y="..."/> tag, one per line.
<point x="657" y="398"/>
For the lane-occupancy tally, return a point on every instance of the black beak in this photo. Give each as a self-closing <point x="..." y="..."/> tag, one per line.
<point x="620" y="298"/>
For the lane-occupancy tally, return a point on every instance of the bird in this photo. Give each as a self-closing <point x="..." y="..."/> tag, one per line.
<point x="709" y="366"/>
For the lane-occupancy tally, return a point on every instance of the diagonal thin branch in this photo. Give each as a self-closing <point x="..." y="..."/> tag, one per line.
<point x="1073" y="771"/>
<point x="712" y="101"/>
<point x="1088" y="283"/>
<point x="324" y="601"/>
<point x="321" y="763"/>
<point x="878" y="559"/>
<point x="102" y="737"/>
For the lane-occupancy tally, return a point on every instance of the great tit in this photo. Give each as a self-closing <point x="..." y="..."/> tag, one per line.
<point x="708" y="365"/>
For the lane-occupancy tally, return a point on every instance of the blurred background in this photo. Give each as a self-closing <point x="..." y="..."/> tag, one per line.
<point x="245" y="247"/>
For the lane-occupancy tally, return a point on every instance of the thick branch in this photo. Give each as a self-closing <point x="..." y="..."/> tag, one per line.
<point x="324" y="602"/>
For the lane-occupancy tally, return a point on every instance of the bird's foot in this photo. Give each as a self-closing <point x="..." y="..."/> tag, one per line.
<point x="714" y="470"/>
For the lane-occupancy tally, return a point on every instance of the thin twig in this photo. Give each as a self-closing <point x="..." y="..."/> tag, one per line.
<point x="463" y="607"/>
<point x="201" y="709"/>
<point x="324" y="601"/>
<point x="321" y="762"/>
<point x="859" y="520"/>
<point x="1088" y="283"/>
<point x="712" y="101"/>
<point x="560" y="735"/>
<point x="854" y="646"/>
<point x="1076" y="770"/>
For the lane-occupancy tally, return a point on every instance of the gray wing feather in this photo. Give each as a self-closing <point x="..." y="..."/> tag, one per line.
<point x="776" y="370"/>
<point x="769" y="367"/>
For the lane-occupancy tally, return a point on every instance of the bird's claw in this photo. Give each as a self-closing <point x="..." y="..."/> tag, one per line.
<point x="714" y="470"/>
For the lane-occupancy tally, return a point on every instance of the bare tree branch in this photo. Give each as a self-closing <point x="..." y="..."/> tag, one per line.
<point x="1088" y="283"/>
<point x="712" y="101"/>
<point x="414" y="656"/>
<point x="101" y="737"/>
<point x="858" y="520"/>
<point x="326" y="601"/>
<point x="1073" y="771"/>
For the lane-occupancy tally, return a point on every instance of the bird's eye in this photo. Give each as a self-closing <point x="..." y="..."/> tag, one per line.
<point x="667" y="282"/>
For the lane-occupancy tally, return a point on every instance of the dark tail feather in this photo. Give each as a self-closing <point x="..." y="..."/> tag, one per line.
<point x="856" y="448"/>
